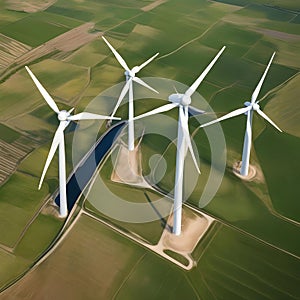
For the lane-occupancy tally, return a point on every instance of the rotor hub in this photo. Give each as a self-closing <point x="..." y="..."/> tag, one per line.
<point x="63" y="115"/>
<point x="186" y="100"/>
<point x="180" y="98"/>
<point x="255" y="106"/>
<point x="129" y="73"/>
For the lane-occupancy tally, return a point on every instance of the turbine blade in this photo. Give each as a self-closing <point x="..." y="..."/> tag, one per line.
<point x="234" y="113"/>
<point x="43" y="91"/>
<point x="143" y="83"/>
<point x="186" y="132"/>
<point x="63" y="206"/>
<point x="247" y="145"/>
<point x="193" y="111"/>
<point x="268" y="119"/>
<point x="116" y="54"/>
<point x="258" y="87"/>
<point x="122" y="95"/>
<point x="195" y="85"/>
<point x="140" y="67"/>
<point x="90" y="116"/>
<point x="56" y="140"/>
<point x="157" y="110"/>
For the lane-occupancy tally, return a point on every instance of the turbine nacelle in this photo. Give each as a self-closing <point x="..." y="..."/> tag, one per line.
<point x="181" y="99"/>
<point x="63" y="115"/>
<point x="130" y="73"/>
<point x="255" y="106"/>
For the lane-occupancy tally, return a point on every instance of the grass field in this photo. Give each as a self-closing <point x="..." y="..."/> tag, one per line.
<point x="42" y="31"/>
<point x="287" y="146"/>
<point x="62" y="80"/>
<point x="89" y="55"/>
<point x="187" y="34"/>
<point x="283" y="106"/>
<point x="20" y="199"/>
<point x="38" y="237"/>
<point x="8" y="135"/>
<point x="11" y="267"/>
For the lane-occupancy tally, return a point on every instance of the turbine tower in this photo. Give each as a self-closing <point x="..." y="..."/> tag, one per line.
<point x="130" y="75"/>
<point x="64" y="118"/>
<point x="182" y="101"/>
<point x="250" y="107"/>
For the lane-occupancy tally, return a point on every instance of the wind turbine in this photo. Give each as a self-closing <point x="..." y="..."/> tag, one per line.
<point x="248" y="110"/>
<point x="64" y="118"/>
<point x="130" y="75"/>
<point x="182" y="101"/>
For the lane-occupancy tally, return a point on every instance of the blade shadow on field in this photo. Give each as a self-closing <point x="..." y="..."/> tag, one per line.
<point x="163" y="220"/>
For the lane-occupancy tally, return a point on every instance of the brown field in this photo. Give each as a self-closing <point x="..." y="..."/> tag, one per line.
<point x="28" y="6"/>
<point x="10" y="49"/>
<point x="278" y="34"/>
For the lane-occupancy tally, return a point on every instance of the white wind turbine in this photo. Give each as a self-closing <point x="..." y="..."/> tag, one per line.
<point x="65" y="118"/>
<point x="182" y="101"/>
<point x="248" y="110"/>
<point x="130" y="75"/>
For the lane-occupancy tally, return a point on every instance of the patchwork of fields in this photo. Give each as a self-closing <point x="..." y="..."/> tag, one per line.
<point x="253" y="251"/>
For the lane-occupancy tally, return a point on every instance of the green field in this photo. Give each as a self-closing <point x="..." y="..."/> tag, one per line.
<point x="234" y="261"/>
<point x="19" y="201"/>
<point x="41" y="26"/>
<point x="283" y="106"/>
<point x="7" y="134"/>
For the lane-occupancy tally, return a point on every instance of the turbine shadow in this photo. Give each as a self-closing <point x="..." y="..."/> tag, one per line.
<point x="164" y="222"/>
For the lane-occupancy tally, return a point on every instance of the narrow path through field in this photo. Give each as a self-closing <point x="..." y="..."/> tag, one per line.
<point x="189" y="42"/>
<point x="153" y="5"/>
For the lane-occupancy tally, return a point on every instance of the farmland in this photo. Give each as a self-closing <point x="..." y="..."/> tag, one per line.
<point x="252" y="250"/>
<point x="131" y="270"/>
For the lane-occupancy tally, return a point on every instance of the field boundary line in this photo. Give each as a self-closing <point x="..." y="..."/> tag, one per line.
<point x="129" y="274"/>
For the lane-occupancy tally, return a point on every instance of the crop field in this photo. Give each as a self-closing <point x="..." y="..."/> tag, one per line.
<point x="42" y="27"/>
<point x="8" y="135"/>
<point x="28" y="6"/>
<point x="252" y="251"/>
<point x="9" y="50"/>
<point x="19" y="30"/>
<point x="248" y="268"/>
<point x="87" y="56"/>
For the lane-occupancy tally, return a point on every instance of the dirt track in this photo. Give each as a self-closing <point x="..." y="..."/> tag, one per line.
<point x="153" y="5"/>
